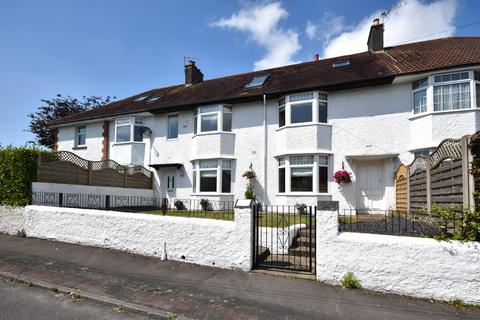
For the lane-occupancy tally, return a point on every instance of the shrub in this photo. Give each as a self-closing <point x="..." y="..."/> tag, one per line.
<point x="205" y="203"/>
<point x="301" y="207"/>
<point x="18" y="169"/>
<point x="179" y="205"/>
<point x="456" y="224"/>
<point x="350" y="282"/>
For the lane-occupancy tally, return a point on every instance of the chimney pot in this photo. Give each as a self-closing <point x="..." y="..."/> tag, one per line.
<point x="192" y="73"/>
<point x="316" y="57"/>
<point x="375" y="38"/>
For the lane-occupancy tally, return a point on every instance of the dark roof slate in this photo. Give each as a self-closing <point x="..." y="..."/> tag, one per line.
<point x="365" y="69"/>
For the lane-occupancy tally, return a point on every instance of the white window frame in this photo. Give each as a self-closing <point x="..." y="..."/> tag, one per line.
<point x="221" y="110"/>
<point x="285" y="162"/>
<point x="419" y="89"/>
<point x="168" y="126"/>
<point x="133" y="122"/>
<point x="78" y="133"/>
<point x="432" y="84"/>
<point x="287" y="103"/>
<point x="220" y="166"/>
<point x="476" y="86"/>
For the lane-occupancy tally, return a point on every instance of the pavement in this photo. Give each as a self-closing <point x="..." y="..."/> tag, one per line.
<point x="21" y="302"/>
<point x="158" y="287"/>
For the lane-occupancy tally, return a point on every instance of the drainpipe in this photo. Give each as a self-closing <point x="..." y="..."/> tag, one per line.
<point x="265" y="144"/>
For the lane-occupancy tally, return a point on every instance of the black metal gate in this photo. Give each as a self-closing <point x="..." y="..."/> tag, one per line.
<point x="284" y="238"/>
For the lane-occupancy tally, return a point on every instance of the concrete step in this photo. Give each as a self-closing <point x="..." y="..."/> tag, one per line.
<point x="306" y="232"/>
<point x="305" y="241"/>
<point x="301" y="251"/>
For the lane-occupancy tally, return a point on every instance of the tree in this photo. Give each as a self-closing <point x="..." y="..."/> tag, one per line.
<point x="56" y="108"/>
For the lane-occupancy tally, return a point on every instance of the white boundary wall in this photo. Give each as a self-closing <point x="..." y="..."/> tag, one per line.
<point x="97" y="190"/>
<point x="224" y="244"/>
<point x="419" y="267"/>
<point x="12" y="220"/>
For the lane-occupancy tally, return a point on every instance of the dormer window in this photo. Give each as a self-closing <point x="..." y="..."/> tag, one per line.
<point x="308" y="107"/>
<point x="216" y="118"/>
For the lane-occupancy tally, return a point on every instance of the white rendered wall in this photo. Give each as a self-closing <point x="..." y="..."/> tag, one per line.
<point x="94" y="138"/>
<point x="12" y="220"/>
<point x="98" y="190"/>
<point x="367" y="121"/>
<point x="223" y="244"/>
<point x="419" y="267"/>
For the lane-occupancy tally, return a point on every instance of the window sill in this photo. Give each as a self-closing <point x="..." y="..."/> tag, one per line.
<point x="212" y="133"/>
<point x="424" y="114"/>
<point x="211" y="194"/>
<point x="172" y="139"/>
<point x="296" y="194"/>
<point x="80" y="148"/>
<point x="127" y="142"/>
<point x="304" y="124"/>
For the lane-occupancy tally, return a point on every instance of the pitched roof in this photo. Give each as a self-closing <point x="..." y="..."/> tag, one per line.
<point x="365" y="69"/>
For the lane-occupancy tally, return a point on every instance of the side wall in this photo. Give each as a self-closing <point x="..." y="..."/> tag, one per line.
<point x="12" y="220"/>
<point x="419" y="267"/>
<point x="209" y="242"/>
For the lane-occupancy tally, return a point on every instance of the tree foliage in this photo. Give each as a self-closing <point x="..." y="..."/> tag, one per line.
<point x="56" y="108"/>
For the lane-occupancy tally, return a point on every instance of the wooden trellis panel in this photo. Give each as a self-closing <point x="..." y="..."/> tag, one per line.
<point x="66" y="167"/>
<point x="401" y="188"/>
<point x="446" y="183"/>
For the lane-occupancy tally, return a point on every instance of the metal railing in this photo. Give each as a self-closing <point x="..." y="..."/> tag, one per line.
<point x="401" y="223"/>
<point x="199" y="208"/>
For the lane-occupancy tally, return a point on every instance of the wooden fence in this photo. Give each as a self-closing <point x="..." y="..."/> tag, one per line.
<point x="442" y="178"/>
<point x="67" y="167"/>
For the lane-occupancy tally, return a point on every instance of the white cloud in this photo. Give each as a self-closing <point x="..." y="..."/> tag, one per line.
<point x="330" y="25"/>
<point x="260" y="22"/>
<point x="311" y="30"/>
<point x="412" y="20"/>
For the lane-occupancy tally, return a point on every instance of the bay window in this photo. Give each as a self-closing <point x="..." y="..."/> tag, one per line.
<point x="303" y="173"/>
<point x="212" y="119"/>
<point x="444" y="92"/>
<point x="129" y="129"/>
<point x="309" y="107"/>
<point x="212" y="175"/>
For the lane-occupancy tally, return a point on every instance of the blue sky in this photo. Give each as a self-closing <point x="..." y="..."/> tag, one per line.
<point x="121" y="47"/>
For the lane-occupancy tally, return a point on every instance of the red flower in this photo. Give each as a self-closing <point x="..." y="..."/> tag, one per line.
<point x="342" y="176"/>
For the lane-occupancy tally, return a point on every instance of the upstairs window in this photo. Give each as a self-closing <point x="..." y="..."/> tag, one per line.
<point x="129" y="129"/>
<point x="172" y="127"/>
<point x="477" y="88"/>
<point x="212" y="118"/>
<point x="419" y="89"/>
<point x="81" y="136"/>
<point x="451" y="96"/>
<point x="308" y="107"/>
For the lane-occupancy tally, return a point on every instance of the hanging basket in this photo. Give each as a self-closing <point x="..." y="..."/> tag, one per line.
<point x="342" y="177"/>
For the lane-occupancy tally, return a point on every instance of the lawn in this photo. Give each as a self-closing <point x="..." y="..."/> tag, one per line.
<point x="264" y="219"/>
<point x="218" y="215"/>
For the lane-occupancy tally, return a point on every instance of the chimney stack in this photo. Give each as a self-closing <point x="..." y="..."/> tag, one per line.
<point x="375" y="38"/>
<point x="192" y="73"/>
<point x="316" y="57"/>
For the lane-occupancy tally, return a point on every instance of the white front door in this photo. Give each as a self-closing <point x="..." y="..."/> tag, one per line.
<point x="170" y="182"/>
<point x="370" y="183"/>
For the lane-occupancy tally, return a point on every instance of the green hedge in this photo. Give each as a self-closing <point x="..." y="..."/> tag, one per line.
<point x="475" y="149"/>
<point x="18" y="169"/>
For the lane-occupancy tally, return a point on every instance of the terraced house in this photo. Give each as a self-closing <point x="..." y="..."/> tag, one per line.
<point x="294" y="125"/>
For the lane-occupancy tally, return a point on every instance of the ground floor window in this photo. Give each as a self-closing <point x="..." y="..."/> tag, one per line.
<point x="212" y="175"/>
<point x="303" y="173"/>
